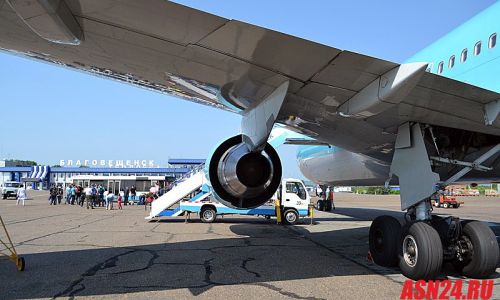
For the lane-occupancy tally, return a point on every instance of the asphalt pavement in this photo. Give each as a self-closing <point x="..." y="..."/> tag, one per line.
<point x="74" y="252"/>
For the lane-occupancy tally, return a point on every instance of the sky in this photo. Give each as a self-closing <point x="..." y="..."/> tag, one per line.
<point x="48" y="113"/>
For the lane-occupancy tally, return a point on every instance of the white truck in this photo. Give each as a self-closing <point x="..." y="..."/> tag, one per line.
<point x="9" y="189"/>
<point x="292" y="193"/>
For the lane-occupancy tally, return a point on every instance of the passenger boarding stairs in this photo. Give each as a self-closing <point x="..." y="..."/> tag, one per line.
<point x="185" y="185"/>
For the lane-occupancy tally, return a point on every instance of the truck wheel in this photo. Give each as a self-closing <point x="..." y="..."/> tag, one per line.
<point x="320" y="205"/>
<point x="208" y="215"/>
<point x="4" y="197"/>
<point x="291" y="216"/>
<point x="483" y="257"/>
<point x="328" y="205"/>
<point x="458" y="205"/>
<point x="383" y="240"/>
<point x="421" y="255"/>
<point x="445" y="205"/>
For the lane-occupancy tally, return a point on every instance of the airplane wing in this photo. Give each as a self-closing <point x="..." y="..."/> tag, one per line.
<point x="228" y="64"/>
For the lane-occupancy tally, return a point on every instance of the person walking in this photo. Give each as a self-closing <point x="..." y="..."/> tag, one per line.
<point x="94" y="195"/>
<point x="53" y="195"/>
<point x="68" y="194"/>
<point x="78" y="195"/>
<point x="133" y="192"/>
<point x="21" y="194"/>
<point x="88" y="197"/>
<point x="119" y="201"/>
<point x="101" y="195"/>
<point x="72" y="196"/>
<point x="109" y="200"/>
<point x="60" y="193"/>
<point x="127" y="192"/>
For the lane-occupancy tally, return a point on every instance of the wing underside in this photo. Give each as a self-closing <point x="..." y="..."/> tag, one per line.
<point x="228" y="64"/>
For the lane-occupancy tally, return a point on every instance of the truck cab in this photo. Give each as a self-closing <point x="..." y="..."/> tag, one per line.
<point x="294" y="199"/>
<point x="9" y="189"/>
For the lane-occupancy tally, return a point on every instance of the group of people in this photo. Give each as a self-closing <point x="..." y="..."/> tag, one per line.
<point x="94" y="195"/>
<point x="91" y="196"/>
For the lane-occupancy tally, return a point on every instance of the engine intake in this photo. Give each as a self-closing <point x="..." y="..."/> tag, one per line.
<point x="242" y="178"/>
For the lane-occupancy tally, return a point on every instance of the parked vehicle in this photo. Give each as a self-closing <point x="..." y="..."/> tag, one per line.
<point x="9" y="189"/>
<point x="294" y="204"/>
<point x="447" y="202"/>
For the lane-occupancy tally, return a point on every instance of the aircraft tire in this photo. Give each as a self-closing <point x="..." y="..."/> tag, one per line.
<point x="421" y="254"/>
<point x="383" y="240"/>
<point x="485" y="251"/>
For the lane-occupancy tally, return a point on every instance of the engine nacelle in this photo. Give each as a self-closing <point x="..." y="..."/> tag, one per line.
<point x="241" y="178"/>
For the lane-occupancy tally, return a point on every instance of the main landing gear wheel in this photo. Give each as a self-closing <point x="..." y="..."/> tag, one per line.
<point x="383" y="239"/>
<point x="208" y="215"/>
<point x="421" y="255"/>
<point x="480" y="261"/>
<point x="291" y="216"/>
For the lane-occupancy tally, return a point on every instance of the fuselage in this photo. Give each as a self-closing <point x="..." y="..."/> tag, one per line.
<point x="470" y="54"/>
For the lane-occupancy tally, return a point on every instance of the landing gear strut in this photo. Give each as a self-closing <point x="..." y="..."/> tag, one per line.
<point x="425" y="242"/>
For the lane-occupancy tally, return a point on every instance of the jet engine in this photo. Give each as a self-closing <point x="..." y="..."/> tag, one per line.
<point x="242" y="178"/>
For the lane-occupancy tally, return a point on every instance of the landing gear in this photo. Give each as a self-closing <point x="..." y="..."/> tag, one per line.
<point x="421" y="252"/>
<point x="384" y="240"/>
<point x="427" y="241"/>
<point x="421" y="246"/>
<point x="477" y="251"/>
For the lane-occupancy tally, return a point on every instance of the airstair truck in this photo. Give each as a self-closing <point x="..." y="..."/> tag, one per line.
<point x="293" y="197"/>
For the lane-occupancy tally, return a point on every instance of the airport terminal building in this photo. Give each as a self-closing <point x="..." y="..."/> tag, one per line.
<point x="115" y="175"/>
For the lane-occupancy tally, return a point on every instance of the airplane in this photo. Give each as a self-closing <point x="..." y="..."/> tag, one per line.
<point x="423" y="124"/>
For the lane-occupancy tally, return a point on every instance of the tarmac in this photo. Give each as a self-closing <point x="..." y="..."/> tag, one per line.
<point x="74" y="252"/>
